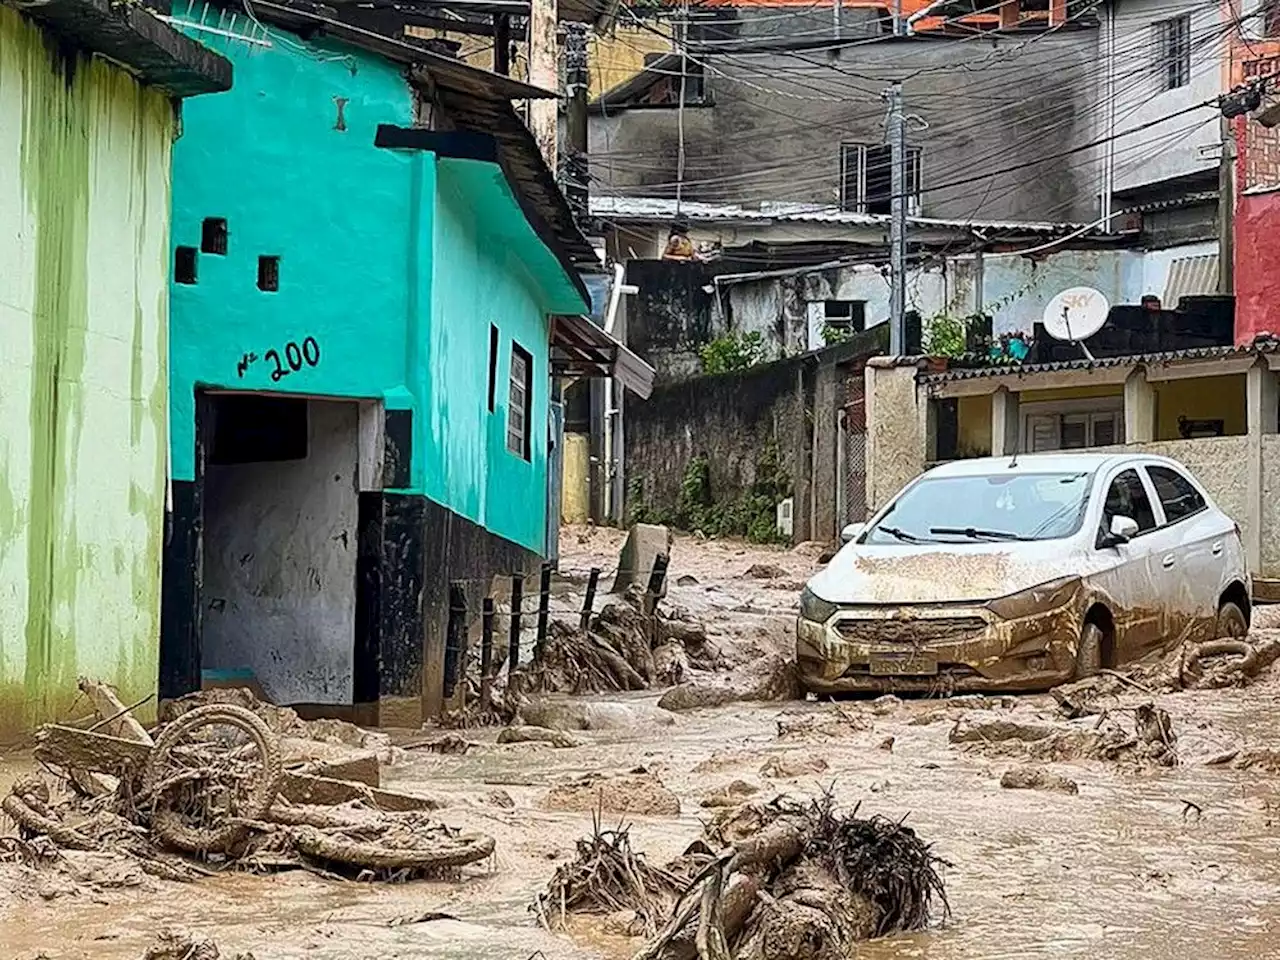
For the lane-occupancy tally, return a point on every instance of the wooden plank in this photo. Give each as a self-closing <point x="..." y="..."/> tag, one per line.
<point x="304" y="788"/>
<point x="74" y="749"/>
<point x="109" y="706"/>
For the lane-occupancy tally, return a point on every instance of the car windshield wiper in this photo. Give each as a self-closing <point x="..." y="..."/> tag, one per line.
<point x="901" y="534"/>
<point x="977" y="533"/>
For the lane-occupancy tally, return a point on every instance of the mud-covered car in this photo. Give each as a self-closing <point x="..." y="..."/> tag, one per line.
<point x="1020" y="573"/>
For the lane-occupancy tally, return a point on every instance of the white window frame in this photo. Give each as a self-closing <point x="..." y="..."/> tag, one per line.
<point x="857" y="153"/>
<point x="519" y="387"/>
<point x="1094" y="408"/>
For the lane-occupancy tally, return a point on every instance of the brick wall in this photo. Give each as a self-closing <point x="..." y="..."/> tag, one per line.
<point x="1260" y="155"/>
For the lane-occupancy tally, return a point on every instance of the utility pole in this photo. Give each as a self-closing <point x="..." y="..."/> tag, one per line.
<point x="576" y="81"/>
<point x="543" y="72"/>
<point x="1226" y="210"/>
<point x="898" y="219"/>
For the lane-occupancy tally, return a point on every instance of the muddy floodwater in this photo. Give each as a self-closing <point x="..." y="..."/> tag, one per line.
<point x="1142" y="862"/>
<point x="1125" y="868"/>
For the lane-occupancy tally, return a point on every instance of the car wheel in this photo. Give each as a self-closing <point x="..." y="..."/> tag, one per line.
<point x="1089" y="653"/>
<point x="1231" y="621"/>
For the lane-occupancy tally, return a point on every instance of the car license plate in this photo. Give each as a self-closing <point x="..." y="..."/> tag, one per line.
<point x="904" y="663"/>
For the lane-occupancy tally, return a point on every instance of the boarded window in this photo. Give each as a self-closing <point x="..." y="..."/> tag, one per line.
<point x="518" y="400"/>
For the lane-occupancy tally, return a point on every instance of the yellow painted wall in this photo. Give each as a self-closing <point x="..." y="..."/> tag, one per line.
<point x="1210" y="398"/>
<point x="974" y="414"/>
<point x="1072" y="393"/>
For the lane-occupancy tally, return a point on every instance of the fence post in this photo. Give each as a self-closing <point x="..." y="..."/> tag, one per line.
<point x="517" y="601"/>
<point x="456" y="638"/>
<point x="589" y="603"/>
<point x="544" y="604"/>
<point x="656" y="578"/>
<point x="486" y="654"/>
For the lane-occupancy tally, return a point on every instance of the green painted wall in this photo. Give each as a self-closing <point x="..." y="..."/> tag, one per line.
<point x="84" y="177"/>
<point x="395" y="262"/>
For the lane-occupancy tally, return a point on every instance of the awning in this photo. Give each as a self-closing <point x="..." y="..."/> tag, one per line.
<point x="581" y="349"/>
<point x="1189" y="277"/>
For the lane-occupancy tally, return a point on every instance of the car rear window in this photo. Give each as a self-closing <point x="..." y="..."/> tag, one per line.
<point x="985" y="508"/>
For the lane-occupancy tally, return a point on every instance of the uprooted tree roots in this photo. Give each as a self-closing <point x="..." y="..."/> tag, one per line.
<point x="800" y="881"/>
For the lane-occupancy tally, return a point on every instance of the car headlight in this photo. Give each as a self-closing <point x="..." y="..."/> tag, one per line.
<point x="813" y="607"/>
<point x="1038" y="599"/>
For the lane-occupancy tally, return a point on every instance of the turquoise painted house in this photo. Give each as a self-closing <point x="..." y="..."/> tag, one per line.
<point x="370" y="258"/>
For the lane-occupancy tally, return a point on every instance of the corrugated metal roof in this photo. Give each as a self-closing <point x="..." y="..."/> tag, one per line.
<point x="1197" y="353"/>
<point x="663" y="210"/>
<point x="1191" y="276"/>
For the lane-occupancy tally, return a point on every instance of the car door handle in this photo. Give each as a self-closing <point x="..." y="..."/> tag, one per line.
<point x="1168" y="561"/>
<point x="1217" y="548"/>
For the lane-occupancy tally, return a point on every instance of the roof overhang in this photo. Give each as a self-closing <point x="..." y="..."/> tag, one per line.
<point x="581" y="349"/>
<point x="1190" y="364"/>
<point x="153" y="51"/>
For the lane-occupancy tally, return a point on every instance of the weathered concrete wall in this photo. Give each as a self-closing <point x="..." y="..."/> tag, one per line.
<point x="730" y="419"/>
<point x="1269" y="565"/>
<point x="84" y="172"/>
<point x="897" y="435"/>
<point x="672" y="315"/>
<point x="280" y="564"/>
<point x="1177" y="147"/>
<point x="777" y="123"/>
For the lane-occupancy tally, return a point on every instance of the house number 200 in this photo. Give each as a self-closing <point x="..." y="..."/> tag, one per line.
<point x="294" y="356"/>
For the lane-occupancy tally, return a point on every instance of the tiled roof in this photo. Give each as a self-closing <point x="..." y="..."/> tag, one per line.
<point x="1197" y="353"/>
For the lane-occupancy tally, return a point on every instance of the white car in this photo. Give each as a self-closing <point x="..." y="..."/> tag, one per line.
<point x="1021" y="573"/>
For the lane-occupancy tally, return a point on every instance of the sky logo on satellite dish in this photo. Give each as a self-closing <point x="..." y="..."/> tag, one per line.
<point x="1075" y="315"/>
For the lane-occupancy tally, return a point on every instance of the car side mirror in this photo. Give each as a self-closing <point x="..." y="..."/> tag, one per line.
<point x="1123" y="529"/>
<point x="852" y="532"/>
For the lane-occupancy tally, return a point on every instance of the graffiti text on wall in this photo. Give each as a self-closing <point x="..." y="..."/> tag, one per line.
<point x="293" y="359"/>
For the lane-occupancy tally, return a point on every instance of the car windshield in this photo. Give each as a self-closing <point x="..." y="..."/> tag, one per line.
<point x="993" y="508"/>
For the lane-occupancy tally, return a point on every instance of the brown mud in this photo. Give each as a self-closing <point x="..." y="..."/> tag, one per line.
<point x="1143" y="862"/>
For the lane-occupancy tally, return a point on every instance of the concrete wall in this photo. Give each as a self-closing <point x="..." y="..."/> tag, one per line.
<point x="897" y="430"/>
<point x="729" y="419"/>
<point x="84" y="172"/>
<point x="1269" y="565"/>
<point x="1176" y="147"/>
<point x="280" y="564"/>
<point x="779" y="117"/>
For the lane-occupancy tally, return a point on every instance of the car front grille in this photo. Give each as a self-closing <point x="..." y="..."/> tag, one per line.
<point x="917" y="631"/>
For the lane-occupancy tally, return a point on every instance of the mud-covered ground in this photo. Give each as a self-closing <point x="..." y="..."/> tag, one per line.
<point x="1142" y="861"/>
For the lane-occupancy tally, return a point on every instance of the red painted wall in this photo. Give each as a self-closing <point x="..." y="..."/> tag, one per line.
<point x="1257" y="265"/>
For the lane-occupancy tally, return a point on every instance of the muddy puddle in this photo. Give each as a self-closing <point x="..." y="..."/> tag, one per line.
<point x="1140" y="863"/>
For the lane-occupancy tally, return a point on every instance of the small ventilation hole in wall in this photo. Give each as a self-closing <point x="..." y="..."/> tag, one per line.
<point x="213" y="236"/>
<point x="269" y="274"/>
<point x="184" y="265"/>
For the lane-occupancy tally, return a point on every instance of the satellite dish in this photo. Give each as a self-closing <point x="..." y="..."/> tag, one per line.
<point x="1075" y="315"/>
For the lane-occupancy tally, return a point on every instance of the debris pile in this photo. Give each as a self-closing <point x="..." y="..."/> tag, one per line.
<point x="1111" y="736"/>
<point x="794" y="880"/>
<point x="213" y="790"/>
<point x="637" y="792"/>
<point x="607" y="877"/>
<point x="1211" y="665"/>
<point x="622" y="648"/>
